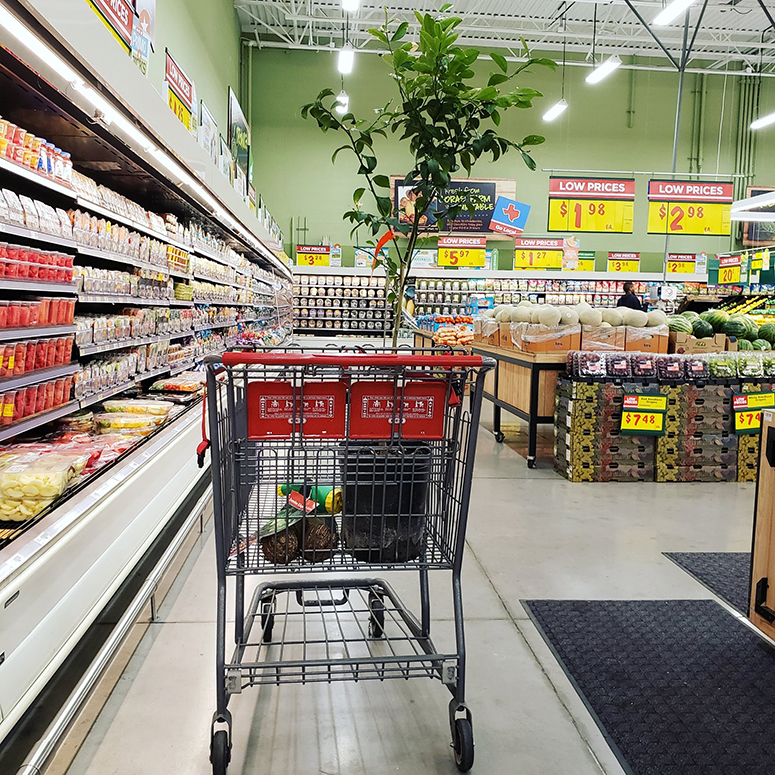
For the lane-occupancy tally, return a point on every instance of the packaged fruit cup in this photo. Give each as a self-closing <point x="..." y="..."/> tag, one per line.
<point x="44" y="266"/>
<point x="51" y="352"/>
<point x="11" y="268"/>
<point x="61" y="345"/>
<point x="12" y="252"/>
<point x="29" y="360"/>
<point x="3" y="314"/>
<point x="34" y="312"/>
<point x="49" y="404"/>
<point x="68" y="388"/>
<point x="24" y="314"/>
<point x="68" y="356"/>
<point x="59" y="389"/>
<point x="53" y="312"/>
<point x="41" y="350"/>
<point x="45" y="311"/>
<point x="31" y="259"/>
<point x="19" y="358"/>
<point x="30" y="398"/>
<point x="69" y="314"/>
<point x="40" y="399"/>
<point x="6" y="359"/>
<point x="9" y="399"/>
<point x="18" y="406"/>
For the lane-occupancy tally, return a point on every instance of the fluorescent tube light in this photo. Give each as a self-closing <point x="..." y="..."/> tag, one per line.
<point x="346" y="59"/>
<point x="112" y="116"/>
<point x="350" y="5"/>
<point x="751" y="217"/>
<point x="342" y="102"/>
<point x="172" y="166"/>
<point x="604" y="69"/>
<point x="672" y="12"/>
<point x="41" y="50"/>
<point x="556" y="110"/>
<point x="761" y="200"/>
<point x="763" y="121"/>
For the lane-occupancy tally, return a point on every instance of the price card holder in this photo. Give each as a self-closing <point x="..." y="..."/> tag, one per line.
<point x="644" y="414"/>
<point x="748" y="411"/>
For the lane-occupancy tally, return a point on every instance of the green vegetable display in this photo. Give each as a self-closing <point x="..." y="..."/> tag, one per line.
<point x="702" y="329"/>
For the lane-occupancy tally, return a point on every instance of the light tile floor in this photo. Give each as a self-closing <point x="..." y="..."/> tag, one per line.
<point x="531" y="535"/>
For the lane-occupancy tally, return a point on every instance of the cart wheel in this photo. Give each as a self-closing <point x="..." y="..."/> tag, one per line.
<point x="377" y="616"/>
<point x="499" y="437"/>
<point x="220" y="752"/>
<point x="464" y="744"/>
<point x="267" y="621"/>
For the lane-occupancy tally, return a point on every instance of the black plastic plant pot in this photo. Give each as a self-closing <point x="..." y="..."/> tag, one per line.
<point x="385" y="497"/>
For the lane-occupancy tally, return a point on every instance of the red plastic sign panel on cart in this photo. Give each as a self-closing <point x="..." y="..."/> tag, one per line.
<point x="276" y="410"/>
<point x="374" y="414"/>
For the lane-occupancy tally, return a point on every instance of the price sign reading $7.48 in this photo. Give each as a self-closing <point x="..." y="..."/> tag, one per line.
<point x="643" y="414"/>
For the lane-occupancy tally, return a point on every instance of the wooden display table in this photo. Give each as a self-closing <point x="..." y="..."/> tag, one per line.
<point x="423" y="339"/>
<point x="761" y="610"/>
<point x="523" y="384"/>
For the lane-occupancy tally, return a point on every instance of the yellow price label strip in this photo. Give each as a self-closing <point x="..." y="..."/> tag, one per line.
<point x="537" y="259"/>
<point x="313" y="259"/>
<point x="680" y="267"/>
<point x="585" y="265"/>
<point x="623" y="265"/>
<point x="590" y="215"/>
<point x="461" y="256"/>
<point x="760" y="400"/>
<point x="709" y="218"/>
<point x="643" y="422"/>
<point x="748" y="421"/>
<point x="729" y="275"/>
<point x="179" y="109"/>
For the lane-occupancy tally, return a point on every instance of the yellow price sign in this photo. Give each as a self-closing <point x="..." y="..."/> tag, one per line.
<point x="590" y="215"/>
<point x="537" y="259"/>
<point x="748" y="410"/>
<point x="760" y="400"/>
<point x="641" y="421"/>
<point x="624" y="262"/>
<point x="757" y="261"/>
<point x="585" y="265"/>
<point x="645" y="402"/>
<point x="461" y="256"/>
<point x="729" y="275"/>
<point x="179" y="108"/>
<point x="313" y="255"/>
<point x="748" y="421"/>
<point x="697" y="218"/>
<point x="680" y="263"/>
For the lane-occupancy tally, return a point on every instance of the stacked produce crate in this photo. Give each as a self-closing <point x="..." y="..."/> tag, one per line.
<point x="699" y="444"/>
<point x="588" y="446"/>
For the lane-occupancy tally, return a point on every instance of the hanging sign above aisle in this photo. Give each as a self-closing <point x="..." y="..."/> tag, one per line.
<point x="585" y="263"/>
<point x="748" y="410"/>
<point x="624" y="262"/>
<point x="239" y="135"/>
<point x="730" y="270"/>
<point x="538" y="253"/>
<point x="462" y="251"/>
<point x="313" y="255"/>
<point x="119" y="17"/>
<point x="591" y="204"/>
<point x="681" y="263"/>
<point x="509" y="216"/>
<point x="690" y="207"/>
<point x="181" y="93"/>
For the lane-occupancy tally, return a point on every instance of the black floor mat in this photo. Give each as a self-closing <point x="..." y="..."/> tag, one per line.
<point x="678" y="687"/>
<point x="726" y="574"/>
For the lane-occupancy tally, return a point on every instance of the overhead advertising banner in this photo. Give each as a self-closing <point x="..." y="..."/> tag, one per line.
<point x="624" y="262"/>
<point x="207" y="135"/>
<point x="482" y="194"/>
<point x="239" y="134"/>
<point x="146" y="17"/>
<point x="681" y="263"/>
<point x="141" y="49"/>
<point x="181" y="93"/>
<point x="591" y="204"/>
<point x="462" y="251"/>
<point x="690" y="207"/>
<point x="509" y="216"/>
<point x="119" y="17"/>
<point x="313" y="255"/>
<point x="538" y="253"/>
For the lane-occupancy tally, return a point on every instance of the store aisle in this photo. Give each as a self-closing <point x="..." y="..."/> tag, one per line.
<point x="532" y="535"/>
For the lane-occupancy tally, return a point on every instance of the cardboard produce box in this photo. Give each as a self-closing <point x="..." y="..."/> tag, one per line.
<point x="477" y="329"/>
<point x="491" y="332"/>
<point x="653" y="339"/>
<point x="504" y="335"/>
<point x="535" y="338"/>
<point x="681" y="342"/>
<point x="596" y="338"/>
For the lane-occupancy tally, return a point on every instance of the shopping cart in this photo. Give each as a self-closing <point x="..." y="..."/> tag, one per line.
<point x="339" y="462"/>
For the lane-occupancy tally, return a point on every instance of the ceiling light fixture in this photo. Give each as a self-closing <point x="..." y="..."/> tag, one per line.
<point x="556" y="110"/>
<point x="672" y="12"/>
<point x="346" y="59"/>
<point x="351" y="5"/>
<point x="749" y="217"/>
<point x="604" y="69"/>
<point x="41" y="50"/>
<point x="342" y="102"/>
<point x="760" y="200"/>
<point x="764" y="121"/>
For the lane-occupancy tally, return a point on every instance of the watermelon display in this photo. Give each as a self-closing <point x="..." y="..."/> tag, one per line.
<point x="761" y="344"/>
<point x="753" y="328"/>
<point x="702" y="329"/>
<point x="717" y="318"/>
<point x="735" y="326"/>
<point x="744" y="344"/>
<point x="767" y="331"/>
<point x="690" y="313"/>
<point x="678" y="323"/>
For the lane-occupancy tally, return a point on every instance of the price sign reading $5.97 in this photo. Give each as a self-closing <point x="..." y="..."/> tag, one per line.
<point x="462" y="256"/>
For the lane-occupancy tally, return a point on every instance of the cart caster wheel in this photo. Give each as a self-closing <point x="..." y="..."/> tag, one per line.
<point x="464" y="744"/>
<point x="377" y="617"/>
<point x="220" y="752"/>
<point x="531" y="463"/>
<point x="500" y="437"/>
<point x="267" y="622"/>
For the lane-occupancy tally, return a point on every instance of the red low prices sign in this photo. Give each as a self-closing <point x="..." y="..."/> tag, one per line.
<point x="118" y="16"/>
<point x="179" y="83"/>
<point x="605" y="188"/>
<point x="684" y="191"/>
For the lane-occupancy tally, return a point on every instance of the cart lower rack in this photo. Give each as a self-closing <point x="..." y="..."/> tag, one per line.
<point x="328" y="462"/>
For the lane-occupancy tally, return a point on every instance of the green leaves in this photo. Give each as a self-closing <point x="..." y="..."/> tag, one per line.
<point x="400" y="32"/>
<point x="533" y="140"/>
<point x="381" y="181"/>
<point x="357" y="194"/>
<point x="500" y="61"/>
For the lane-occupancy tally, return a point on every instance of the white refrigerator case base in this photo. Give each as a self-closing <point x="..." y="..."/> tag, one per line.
<point x="48" y="602"/>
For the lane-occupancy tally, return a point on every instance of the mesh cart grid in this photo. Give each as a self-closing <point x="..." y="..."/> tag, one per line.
<point x="329" y="462"/>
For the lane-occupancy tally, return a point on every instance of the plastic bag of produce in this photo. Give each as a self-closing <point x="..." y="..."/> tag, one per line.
<point x="722" y="365"/>
<point x="42" y="478"/>
<point x="12" y="510"/>
<point x="127" y="422"/>
<point x="138" y="406"/>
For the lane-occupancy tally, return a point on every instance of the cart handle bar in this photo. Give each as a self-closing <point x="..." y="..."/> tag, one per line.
<point x="354" y="359"/>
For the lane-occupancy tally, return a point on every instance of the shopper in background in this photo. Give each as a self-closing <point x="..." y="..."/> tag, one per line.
<point x="629" y="299"/>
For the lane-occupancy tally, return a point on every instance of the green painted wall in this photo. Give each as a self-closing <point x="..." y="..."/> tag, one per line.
<point x="293" y="158"/>
<point x="204" y="38"/>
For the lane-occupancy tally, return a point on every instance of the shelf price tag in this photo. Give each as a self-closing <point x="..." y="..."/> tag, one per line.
<point x="681" y="263"/>
<point x="643" y="414"/>
<point x="748" y="411"/>
<point x="689" y="207"/>
<point x="538" y="253"/>
<point x="624" y="262"/>
<point x="462" y="251"/>
<point x="313" y="255"/>
<point x="729" y="270"/>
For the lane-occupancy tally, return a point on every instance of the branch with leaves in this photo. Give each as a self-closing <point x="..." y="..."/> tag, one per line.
<point x="442" y="116"/>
